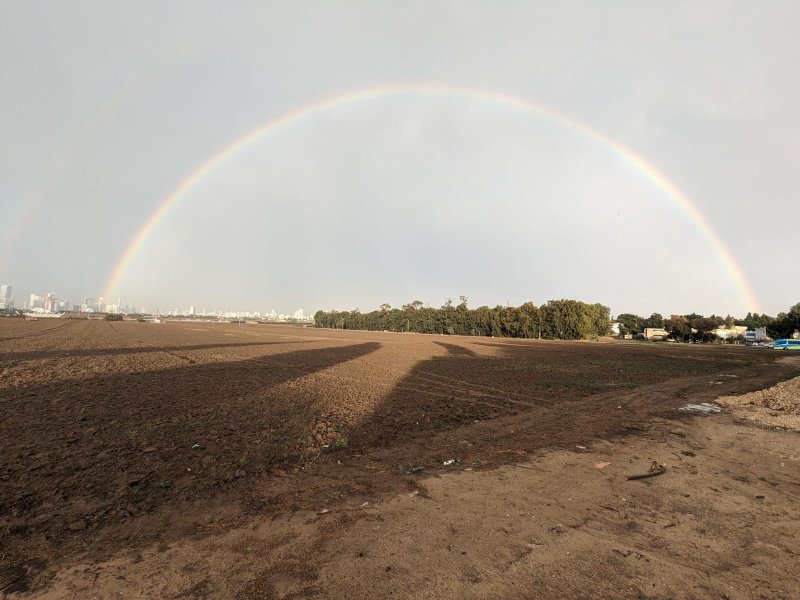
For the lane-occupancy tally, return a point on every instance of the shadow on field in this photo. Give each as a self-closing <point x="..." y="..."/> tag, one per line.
<point x="493" y="408"/>
<point x="81" y="460"/>
<point x="87" y="352"/>
<point x="455" y="350"/>
<point x="449" y="392"/>
<point x="77" y="455"/>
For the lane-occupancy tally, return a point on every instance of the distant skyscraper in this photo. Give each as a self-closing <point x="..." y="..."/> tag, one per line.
<point x="6" y="297"/>
<point x="50" y="303"/>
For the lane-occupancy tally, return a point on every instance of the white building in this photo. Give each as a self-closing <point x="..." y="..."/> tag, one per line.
<point x="50" y="302"/>
<point x="655" y="333"/>
<point x="6" y="297"/>
<point x="729" y="332"/>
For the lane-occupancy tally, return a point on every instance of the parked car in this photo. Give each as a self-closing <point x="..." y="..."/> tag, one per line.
<point x="785" y="344"/>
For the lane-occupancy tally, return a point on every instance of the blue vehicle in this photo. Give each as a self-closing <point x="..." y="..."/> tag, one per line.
<point x="786" y="344"/>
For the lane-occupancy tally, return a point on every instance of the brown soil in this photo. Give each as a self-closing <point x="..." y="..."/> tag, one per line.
<point x="197" y="460"/>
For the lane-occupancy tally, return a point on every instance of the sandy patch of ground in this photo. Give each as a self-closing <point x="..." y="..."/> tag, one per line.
<point x="777" y="406"/>
<point x="720" y="523"/>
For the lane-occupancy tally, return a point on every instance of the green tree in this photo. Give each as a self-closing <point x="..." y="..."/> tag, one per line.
<point x="704" y="328"/>
<point x="629" y="323"/>
<point x="415" y="305"/>
<point x="678" y="328"/>
<point x="564" y="319"/>
<point x="785" y="324"/>
<point x="572" y="320"/>
<point x="655" y="320"/>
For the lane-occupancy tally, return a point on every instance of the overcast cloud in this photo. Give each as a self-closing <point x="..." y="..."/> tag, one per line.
<point x="107" y="107"/>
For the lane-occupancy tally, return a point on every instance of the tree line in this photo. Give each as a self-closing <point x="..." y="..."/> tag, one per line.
<point x="694" y="327"/>
<point x="556" y="319"/>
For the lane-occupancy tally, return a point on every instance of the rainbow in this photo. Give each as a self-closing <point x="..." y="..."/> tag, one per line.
<point x="670" y="190"/>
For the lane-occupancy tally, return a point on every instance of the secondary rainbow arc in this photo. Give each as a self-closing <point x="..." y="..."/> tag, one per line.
<point x="670" y="189"/>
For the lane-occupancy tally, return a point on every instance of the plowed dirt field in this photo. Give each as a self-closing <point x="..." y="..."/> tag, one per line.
<point x="206" y="460"/>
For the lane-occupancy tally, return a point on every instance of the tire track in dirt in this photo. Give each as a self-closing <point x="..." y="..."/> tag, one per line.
<point x="40" y="333"/>
<point x="477" y="385"/>
<point x="144" y="345"/>
<point x="455" y="387"/>
<point x="439" y="389"/>
<point x="454" y="391"/>
<point x="408" y="387"/>
<point x="464" y="389"/>
<point x="700" y="566"/>
<point x="305" y="337"/>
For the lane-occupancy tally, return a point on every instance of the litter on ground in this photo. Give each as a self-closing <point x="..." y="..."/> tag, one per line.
<point x="704" y="407"/>
<point x="655" y="469"/>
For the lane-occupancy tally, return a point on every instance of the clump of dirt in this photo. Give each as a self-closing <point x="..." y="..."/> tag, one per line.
<point x="778" y="406"/>
<point x="324" y="435"/>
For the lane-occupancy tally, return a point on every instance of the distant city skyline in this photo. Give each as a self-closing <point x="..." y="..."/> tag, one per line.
<point x="48" y="302"/>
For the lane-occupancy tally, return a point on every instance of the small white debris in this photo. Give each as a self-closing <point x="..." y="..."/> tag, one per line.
<point x="704" y="407"/>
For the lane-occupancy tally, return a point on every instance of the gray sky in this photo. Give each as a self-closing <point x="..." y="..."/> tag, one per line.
<point x="107" y="107"/>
